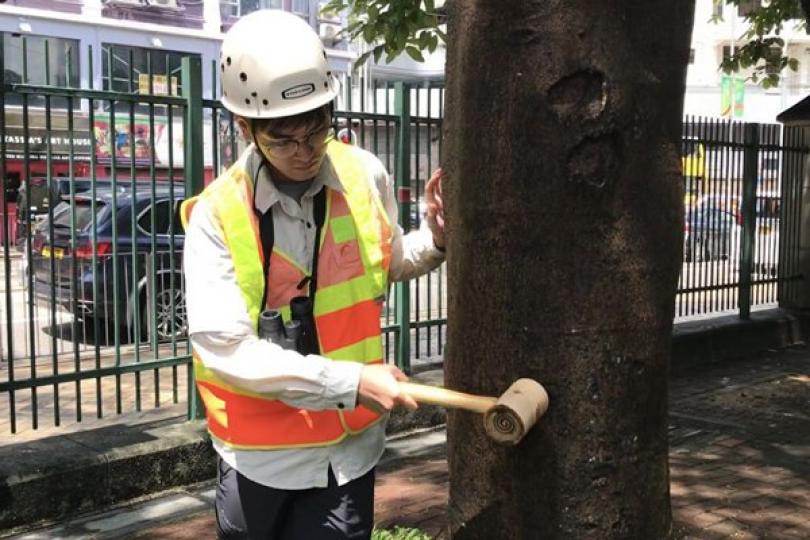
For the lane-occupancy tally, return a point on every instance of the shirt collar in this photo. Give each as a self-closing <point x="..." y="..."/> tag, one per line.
<point x="266" y="192"/>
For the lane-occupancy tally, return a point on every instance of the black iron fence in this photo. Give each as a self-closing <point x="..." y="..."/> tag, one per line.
<point x="742" y="193"/>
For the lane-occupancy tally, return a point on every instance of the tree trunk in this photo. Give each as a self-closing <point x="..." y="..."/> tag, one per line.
<point x="565" y="210"/>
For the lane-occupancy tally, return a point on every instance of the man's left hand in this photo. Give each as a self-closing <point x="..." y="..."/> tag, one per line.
<point x="435" y="208"/>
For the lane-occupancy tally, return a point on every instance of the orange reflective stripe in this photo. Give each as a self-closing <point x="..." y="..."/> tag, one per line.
<point x="359" y="419"/>
<point x="282" y="426"/>
<point x="349" y="325"/>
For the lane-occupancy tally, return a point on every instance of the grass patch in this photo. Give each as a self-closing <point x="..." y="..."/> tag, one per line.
<point x="400" y="533"/>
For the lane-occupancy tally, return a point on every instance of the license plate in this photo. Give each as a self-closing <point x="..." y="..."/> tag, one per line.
<point x="58" y="253"/>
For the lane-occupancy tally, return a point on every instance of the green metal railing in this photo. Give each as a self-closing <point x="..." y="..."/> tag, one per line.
<point x="93" y="313"/>
<point x="94" y="317"/>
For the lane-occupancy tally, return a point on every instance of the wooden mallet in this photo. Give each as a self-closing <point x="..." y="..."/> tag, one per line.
<point x="506" y="418"/>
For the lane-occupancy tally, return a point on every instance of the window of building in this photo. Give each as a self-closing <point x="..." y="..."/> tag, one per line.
<point x="127" y="69"/>
<point x="745" y="7"/>
<point x="717" y="8"/>
<point x="24" y="61"/>
<point x="300" y="7"/>
<point x="229" y="8"/>
<point x="249" y="6"/>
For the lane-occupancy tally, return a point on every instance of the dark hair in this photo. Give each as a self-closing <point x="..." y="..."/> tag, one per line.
<point x="308" y="119"/>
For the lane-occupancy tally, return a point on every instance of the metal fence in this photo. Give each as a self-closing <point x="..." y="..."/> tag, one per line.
<point x="742" y="193"/>
<point x="93" y="312"/>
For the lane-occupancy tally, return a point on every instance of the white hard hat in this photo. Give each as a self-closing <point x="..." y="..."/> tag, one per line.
<point x="273" y="64"/>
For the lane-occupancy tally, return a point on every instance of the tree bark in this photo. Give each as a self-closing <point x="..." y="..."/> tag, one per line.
<point x="564" y="199"/>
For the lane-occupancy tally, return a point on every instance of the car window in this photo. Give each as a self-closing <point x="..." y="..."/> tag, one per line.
<point x="82" y="214"/>
<point x="162" y="212"/>
<point x="178" y="223"/>
<point x="712" y="218"/>
<point x="166" y="213"/>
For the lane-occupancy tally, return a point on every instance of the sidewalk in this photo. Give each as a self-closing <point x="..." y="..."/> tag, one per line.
<point x="739" y="465"/>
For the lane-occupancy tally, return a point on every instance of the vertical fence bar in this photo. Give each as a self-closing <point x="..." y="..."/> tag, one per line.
<point x="750" y="165"/>
<point x="172" y="232"/>
<point x="74" y="271"/>
<point x="51" y="238"/>
<point x="416" y="194"/>
<point x="12" y="405"/>
<point x="402" y="177"/>
<point x="94" y="224"/>
<point x="191" y="75"/>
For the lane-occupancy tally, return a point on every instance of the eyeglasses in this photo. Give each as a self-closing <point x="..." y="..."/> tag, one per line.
<point x="284" y="148"/>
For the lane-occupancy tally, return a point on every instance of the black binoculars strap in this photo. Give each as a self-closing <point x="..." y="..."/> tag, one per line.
<point x="320" y="217"/>
<point x="267" y="234"/>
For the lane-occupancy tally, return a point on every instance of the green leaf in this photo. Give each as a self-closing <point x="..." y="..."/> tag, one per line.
<point x="434" y="42"/>
<point x="414" y="53"/>
<point x="369" y="33"/>
<point x="793" y="64"/>
<point x="378" y="50"/>
<point x="362" y="59"/>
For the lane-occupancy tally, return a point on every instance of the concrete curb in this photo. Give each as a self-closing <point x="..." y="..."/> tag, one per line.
<point x="57" y="477"/>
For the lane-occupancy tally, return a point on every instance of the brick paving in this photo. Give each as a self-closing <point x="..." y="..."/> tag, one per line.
<point x="739" y="459"/>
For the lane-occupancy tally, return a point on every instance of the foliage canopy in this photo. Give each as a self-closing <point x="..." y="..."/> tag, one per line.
<point x="392" y="27"/>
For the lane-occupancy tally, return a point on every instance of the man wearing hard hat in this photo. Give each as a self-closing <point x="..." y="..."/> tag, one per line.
<point x="299" y="215"/>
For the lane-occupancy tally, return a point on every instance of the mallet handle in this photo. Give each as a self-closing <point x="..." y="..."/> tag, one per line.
<point x="447" y="398"/>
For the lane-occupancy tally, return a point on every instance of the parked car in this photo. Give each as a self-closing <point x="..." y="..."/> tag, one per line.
<point x="710" y="234"/>
<point x="44" y="195"/>
<point x="93" y="278"/>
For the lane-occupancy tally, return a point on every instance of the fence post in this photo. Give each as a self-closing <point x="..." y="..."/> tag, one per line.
<point x="191" y="75"/>
<point x="749" y="193"/>
<point x="402" y="179"/>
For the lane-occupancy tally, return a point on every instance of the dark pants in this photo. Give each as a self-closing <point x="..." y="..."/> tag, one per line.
<point x="249" y="511"/>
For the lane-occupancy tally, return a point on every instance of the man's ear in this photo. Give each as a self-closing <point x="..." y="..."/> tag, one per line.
<point x="244" y="127"/>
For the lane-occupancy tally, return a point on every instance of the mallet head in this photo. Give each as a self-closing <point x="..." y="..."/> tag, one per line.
<point x="516" y="411"/>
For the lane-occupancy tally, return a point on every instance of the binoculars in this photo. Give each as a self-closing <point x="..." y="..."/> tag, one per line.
<point x="297" y="334"/>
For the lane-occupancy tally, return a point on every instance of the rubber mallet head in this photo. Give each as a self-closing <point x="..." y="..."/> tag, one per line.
<point x="506" y="419"/>
<point x="516" y="411"/>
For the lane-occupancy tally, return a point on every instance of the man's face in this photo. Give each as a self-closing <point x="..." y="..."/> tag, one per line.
<point x="296" y="153"/>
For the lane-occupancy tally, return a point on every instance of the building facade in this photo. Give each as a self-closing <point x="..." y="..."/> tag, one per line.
<point x="718" y="30"/>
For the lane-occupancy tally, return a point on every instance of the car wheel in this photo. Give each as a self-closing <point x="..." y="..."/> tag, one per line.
<point x="170" y="317"/>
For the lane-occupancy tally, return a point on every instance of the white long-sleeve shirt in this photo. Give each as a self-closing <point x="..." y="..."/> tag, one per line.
<point x="224" y="338"/>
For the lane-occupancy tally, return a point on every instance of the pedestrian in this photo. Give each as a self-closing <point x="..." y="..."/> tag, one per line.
<point x="298" y="215"/>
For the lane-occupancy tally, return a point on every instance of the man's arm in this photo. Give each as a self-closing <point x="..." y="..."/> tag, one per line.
<point x="413" y="254"/>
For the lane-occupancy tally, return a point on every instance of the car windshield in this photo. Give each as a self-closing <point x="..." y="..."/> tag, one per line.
<point x="82" y="214"/>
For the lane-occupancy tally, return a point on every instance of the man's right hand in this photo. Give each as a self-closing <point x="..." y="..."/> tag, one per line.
<point x="379" y="388"/>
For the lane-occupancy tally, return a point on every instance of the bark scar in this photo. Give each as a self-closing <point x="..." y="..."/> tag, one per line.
<point x="581" y="95"/>
<point x="594" y="160"/>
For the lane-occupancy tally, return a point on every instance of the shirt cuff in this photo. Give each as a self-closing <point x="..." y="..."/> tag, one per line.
<point x="344" y="380"/>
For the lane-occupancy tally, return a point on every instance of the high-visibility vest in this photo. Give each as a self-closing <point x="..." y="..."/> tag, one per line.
<point x="354" y="257"/>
